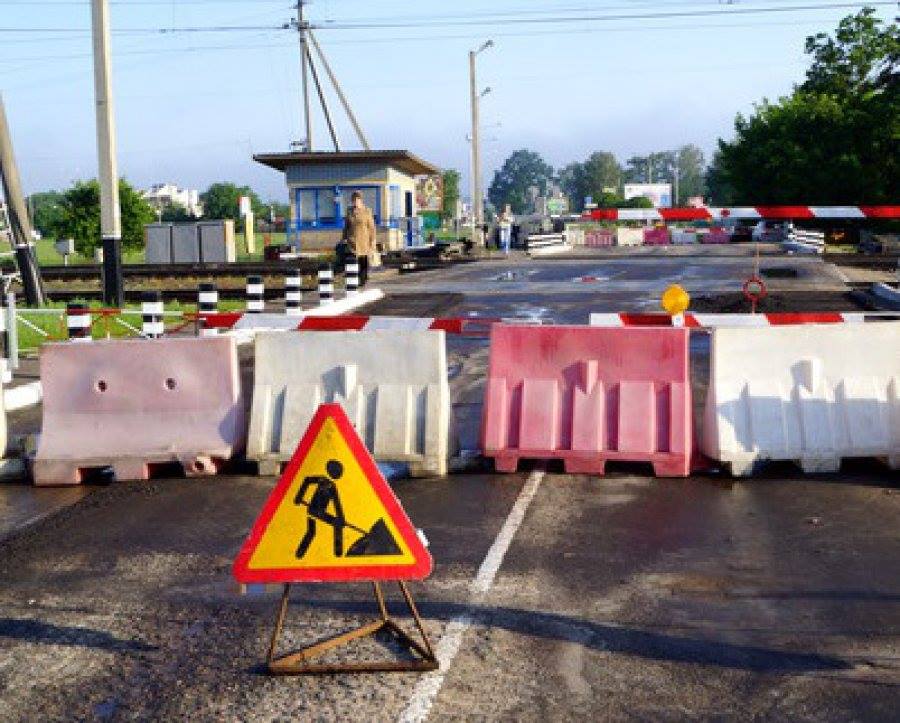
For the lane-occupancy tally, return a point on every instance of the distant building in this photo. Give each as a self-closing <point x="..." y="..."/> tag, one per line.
<point x="660" y="194"/>
<point x="161" y="195"/>
<point x="320" y="184"/>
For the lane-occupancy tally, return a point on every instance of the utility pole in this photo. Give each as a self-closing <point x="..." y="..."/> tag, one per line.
<point x="19" y="225"/>
<point x="475" y="99"/>
<point x="676" y="175"/>
<point x="110" y="215"/>
<point x="304" y="72"/>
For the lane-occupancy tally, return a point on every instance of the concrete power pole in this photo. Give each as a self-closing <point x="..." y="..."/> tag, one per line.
<point x="19" y="225"/>
<point x="475" y="99"/>
<point x="304" y="72"/>
<point x="676" y="175"/>
<point x="476" y="160"/>
<point x="110" y="215"/>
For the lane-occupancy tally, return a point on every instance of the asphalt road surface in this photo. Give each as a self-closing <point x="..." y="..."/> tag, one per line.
<point x="554" y="597"/>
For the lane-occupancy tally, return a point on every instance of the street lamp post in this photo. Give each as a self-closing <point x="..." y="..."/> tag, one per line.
<point x="477" y="205"/>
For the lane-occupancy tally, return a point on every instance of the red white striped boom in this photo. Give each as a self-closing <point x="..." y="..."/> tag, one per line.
<point x="752" y="213"/>
<point x="465" y="326"/>
<point x="713" y="320"/>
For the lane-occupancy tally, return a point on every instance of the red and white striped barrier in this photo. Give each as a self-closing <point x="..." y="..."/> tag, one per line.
<point x="709" y="321"/>
<point x="464" y="326"/>
<point x="752" y="213"/>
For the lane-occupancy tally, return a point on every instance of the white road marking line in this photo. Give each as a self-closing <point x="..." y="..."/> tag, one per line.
<point x="429" y="686"/>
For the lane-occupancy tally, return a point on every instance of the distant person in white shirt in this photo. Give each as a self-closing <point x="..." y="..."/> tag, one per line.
<point x="506" y="221"/>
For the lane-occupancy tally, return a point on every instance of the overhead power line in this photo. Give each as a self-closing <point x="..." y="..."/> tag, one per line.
<point x="424" y="23"/>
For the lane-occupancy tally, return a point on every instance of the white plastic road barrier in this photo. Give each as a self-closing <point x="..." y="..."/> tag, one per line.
<point x="813" y="394"/>
<point x="629" y="236"/>
<point x="684" y="237"/>
<point x="392" y="384"/>
<point x="128" y="406"/>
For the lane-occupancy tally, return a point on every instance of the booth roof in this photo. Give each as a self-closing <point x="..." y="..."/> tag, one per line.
<point x="401" y="160"/>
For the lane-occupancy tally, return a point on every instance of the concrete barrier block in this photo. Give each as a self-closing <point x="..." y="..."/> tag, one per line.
<point x="128" y="405"/>
<point x="588" y="395"/>
<point x="812" y="394"/>
<point x="391" y="383"/>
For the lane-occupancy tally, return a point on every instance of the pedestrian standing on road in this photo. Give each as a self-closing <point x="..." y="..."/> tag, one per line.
<point x="506" y="221"/>
<point x="359" y="234"/>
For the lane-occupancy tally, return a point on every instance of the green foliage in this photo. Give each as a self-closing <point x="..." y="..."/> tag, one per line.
<point x="522" y="170"/>
<point x="47" y="209"/>
<point x="176" y="213"/>
<point x="451" y="194"/>
<point x="222" y="200"/>
<point x="862" y="56"/>
<point x="637" y="202"/>
<point x="80" y="216"/>
<point x="601" y="171"/>
<point x="691" y="182"/>
<point x="834" y="140"/>
<point x="658" y="167"/>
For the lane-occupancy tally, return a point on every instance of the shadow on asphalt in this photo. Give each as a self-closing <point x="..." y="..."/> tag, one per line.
<point x="34" y="631"/>
<point x="616" y="639"/>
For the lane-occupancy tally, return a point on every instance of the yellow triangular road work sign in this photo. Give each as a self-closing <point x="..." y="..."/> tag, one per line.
<point x="332" y="516"/>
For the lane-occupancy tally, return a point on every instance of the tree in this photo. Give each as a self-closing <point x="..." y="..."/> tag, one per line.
<point x="690" y="163"/>
<point x="80" y="216"/>
<point x="176" y="213"/>
<point x="599" y="177"/>
<point x="861" y="56"/>
<point x="658" y="167"/>
<point x="522" y="170"/>
<point x="47" y="211"/>
<point x="636" y="202"/>
<point x="833" y="141"/>
<point x="451" y="194"/>
<point x="222" y="200"/>
<point x="571" y="181"/>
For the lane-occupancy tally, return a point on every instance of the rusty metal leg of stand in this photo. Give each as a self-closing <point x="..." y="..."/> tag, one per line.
<point x="379" y="596"/>
<point x="418" y="620"/>
<point x="279" y="622"/>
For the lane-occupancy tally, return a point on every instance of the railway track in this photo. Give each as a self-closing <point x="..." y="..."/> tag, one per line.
<point x="240" y="269"/>
<point x="90" y="272"/>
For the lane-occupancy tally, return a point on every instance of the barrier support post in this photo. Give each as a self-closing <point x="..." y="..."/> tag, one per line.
<point x="12" y="331"/>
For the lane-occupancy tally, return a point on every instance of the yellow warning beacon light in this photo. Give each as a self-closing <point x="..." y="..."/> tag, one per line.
<point x="675" y="300"/>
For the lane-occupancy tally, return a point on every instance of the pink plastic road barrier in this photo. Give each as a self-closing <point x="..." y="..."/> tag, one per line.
<point x="588" y="395"/>
<point x="600" y="238"/>
<point x="131" y="405"/>
<point x="715" y="236"/>
<point x="657" y="237"/>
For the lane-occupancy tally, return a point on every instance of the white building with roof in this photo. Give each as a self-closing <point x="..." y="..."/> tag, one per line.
<point x="161" y="195"/>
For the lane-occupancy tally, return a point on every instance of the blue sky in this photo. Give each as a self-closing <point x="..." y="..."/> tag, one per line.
<point x="192" y="107"/>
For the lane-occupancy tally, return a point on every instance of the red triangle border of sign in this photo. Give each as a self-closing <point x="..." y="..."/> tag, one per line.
<point x="418" y="570"/>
